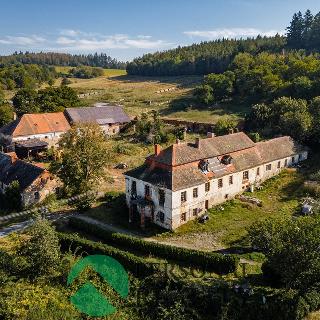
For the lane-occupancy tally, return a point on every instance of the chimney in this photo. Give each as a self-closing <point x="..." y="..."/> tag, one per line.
<point x="173" y="154"/>
<point x="185" y="133"/>
<point x="12" y="156"/>
<point x="197" y="143"/>
<point x="14" y="116"/>
<point x="231" y="131"/>
<point x="157" y="149"/>
<point x="210" y="135"/>
<point x="177" y="141"/>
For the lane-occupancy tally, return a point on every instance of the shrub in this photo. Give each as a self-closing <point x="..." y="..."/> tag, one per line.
<point x="138" y="266"/>
<point x="216" y="262"/>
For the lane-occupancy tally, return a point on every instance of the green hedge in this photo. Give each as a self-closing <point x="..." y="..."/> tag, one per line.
<point x="136" y="265"/>
<point x="215" y="262"/>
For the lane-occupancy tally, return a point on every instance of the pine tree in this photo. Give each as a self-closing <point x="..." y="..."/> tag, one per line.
<point x="315" y="33"/>
<point x="307" y="25"/>
<point x="295" y="31"/>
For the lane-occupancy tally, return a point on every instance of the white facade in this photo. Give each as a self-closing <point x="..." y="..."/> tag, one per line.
<point x="175" y="212"/>
<point x="51" y="137"/>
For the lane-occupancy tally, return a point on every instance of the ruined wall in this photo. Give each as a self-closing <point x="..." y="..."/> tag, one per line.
<point x="166" y="209"/>
<point x="39" y="190"/>
<point x="111" y="129"/>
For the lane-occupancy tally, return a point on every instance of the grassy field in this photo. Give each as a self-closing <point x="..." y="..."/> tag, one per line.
<point x="141" y="94"/>
<point x="171" y="96"/>
<point x="107" y="72"/>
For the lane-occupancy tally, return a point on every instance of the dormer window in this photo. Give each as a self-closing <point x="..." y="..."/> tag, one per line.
<point x="226" y="159"/>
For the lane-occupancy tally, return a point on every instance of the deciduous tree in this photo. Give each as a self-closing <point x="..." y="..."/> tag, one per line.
<point x="82" y="166"/>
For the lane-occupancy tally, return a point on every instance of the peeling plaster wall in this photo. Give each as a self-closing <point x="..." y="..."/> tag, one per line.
<point x="166" y="209"/>
<point x="173" y="208"/>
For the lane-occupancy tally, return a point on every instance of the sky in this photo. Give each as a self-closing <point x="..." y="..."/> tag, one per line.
<point x="125" y="29"/>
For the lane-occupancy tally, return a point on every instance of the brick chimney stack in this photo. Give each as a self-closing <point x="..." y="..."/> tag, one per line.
<point x="157" y="149"/>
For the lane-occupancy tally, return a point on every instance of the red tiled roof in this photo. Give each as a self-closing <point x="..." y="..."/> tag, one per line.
<point x="37" y="123"/>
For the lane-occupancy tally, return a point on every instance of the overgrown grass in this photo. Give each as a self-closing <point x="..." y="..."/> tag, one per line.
<point x="229" y="221"/>
<point x="107" y="72"/>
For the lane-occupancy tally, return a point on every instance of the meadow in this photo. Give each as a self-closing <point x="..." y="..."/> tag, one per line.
<point x="171" y="96"/>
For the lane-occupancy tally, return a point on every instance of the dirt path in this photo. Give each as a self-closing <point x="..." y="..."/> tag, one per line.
<point x="203" y="241"/>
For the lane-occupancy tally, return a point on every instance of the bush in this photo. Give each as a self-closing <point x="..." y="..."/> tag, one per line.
<point x="216" y="262"/>
<point x="138" y="266"/>
<point x="112" y="196"/>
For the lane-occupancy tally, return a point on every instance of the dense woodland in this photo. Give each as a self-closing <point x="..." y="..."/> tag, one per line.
<point x="203" y="58"/>
<point x="25" y="75"/>
<point x="63" y="59"/>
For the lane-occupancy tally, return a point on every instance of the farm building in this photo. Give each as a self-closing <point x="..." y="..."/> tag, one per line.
<point x="35" y="182"/>
<point x="110" y="118"/>
<point x="181" y="182"/>
<point x="46" y="127"/>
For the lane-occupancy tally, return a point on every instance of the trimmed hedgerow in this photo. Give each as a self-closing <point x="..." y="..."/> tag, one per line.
<point x="215" y="262"/>
<point x="136" y="265"/>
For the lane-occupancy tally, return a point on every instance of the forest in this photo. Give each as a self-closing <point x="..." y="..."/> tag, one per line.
<point x="25" y="75"/>
<point x="63" y="59"/>
<point x="203" y="58"/>
<point x="216" y="56"/>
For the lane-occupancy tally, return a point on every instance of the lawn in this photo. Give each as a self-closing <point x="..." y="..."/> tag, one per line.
<point x="228" y="223"/>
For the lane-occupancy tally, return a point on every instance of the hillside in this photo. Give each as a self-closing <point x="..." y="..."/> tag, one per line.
<point x="203" y="58"/>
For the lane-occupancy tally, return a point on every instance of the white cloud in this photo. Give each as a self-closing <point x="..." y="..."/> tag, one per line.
<point x="22" y="40"/>
<point x="73" y="40"/>
<point x="231" y="33"/>
<point x="82" y="42"/>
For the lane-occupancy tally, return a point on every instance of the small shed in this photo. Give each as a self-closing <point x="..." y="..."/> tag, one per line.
<point x="31" y="147"/>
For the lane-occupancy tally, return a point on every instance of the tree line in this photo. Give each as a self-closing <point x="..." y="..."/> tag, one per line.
<point x="63" y="59"/>
<point x="203" y="58"/>
<point x="304" y="31"/>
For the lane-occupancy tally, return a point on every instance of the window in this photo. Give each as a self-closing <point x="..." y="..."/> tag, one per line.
<point x="258" y="171"/>
<point x="183" y="217"/>
<point x="134" y="188"/>
<point x="286" y="162"/>
<point x="245" y="175"/>
<point x="268" y="167"/>
<point x="292" y="159"/>
<point x="226" y="196"/>
<point x="207" y="186"/>
<point x="230" y="180"/>
<point x="147" y="191"/>
<point x="300" y="157"/>
<point x="279" y="164"/>
<point x="37" y="195"/>
<point x="183" y="196"/>
<point x="195" y="212"/>
<point x="195" y="192"/>
<point x="160" y="216"/>
<point x="220" y="183"/>
<point x="161" y="197"/>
